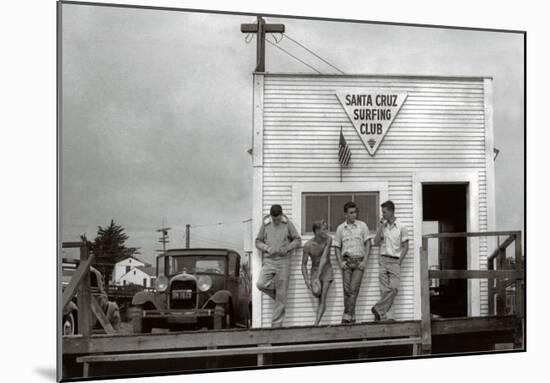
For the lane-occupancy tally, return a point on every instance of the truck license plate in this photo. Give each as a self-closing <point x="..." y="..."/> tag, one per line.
<point x="182" y="294"/>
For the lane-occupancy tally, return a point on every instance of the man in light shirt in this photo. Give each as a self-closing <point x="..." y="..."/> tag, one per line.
<point x="352" y="245"/>
<point x="393" y="240"/>
<point x="276" y="241"/>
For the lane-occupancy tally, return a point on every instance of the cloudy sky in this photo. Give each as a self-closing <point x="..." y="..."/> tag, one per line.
<point x="157" y="112"/>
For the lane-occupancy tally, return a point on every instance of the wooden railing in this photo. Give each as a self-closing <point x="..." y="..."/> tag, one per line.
<point x="88" y="306"/>
<point x="504" y="277"/>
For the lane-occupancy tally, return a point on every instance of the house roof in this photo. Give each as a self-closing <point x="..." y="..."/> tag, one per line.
<point x="126" y="256"/>
<point x="150" y="270"/>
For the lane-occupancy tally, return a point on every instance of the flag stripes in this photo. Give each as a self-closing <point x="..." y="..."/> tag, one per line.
<point x="344" y="151"/>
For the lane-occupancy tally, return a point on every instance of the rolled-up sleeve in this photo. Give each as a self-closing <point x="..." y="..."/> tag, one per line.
<point x="338" y="238"/>
<point x="366" y="233"/>
<point x="404" y="234"/>
<point x="292" y="232"/>
<point x="261" y="234"/>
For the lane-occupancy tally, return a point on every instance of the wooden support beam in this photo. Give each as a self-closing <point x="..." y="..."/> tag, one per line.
<point x="491" y="288"/>
<point x="426" y="325"/>
<point x="263" y="349"/>
<point x="238" y="337"/>
<point x="363" y="352"/>
<point x="501" y="287"/>
<point x="471" y="234"/>
<point x="73" y="245"/>
<point x="86" y="370"/>
<point x="519" y="308"/>
<point x="103" y="321"/>
<point x="212" y="363"/>
<point x="519" y="285"/>
<point x="502" y="246"/>
<point x="264" y="359"/>
<point x="416" y="349"/>
<point x="474" y="274"/>
<point x="84" y="298"/>
<point x="465" y="325"/>
<point x="77" y="277"/>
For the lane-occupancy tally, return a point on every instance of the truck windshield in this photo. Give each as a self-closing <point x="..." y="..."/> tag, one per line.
<point x="197" y="264"/>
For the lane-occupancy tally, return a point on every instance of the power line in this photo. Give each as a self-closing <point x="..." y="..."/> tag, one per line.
<point x="312" y="52"/>
<point x="216" y="224"/>
<point x="216" y="241"/>
<point x="216" y="245"/>
<point x="291" y="55"/>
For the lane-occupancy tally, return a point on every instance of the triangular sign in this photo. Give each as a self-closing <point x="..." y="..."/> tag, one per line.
<point x="371" y="111"/>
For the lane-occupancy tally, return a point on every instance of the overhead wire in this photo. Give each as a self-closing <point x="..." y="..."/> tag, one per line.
<point x="312" y="52"/>
<point x="293" y="56"/>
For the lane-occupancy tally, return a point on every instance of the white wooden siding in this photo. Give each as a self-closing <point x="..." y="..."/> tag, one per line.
<point x="440" y="126"/>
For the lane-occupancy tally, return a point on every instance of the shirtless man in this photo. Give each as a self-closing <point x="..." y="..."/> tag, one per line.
<point x="321" y="275"/>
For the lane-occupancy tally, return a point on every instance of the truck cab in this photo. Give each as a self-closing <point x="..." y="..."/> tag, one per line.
<point x="194" y="288"/>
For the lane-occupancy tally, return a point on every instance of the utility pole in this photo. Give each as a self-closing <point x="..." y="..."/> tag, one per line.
<point x="261" y="28"/>
<point x="164" y="238"/>
<point x="187" y="236"/>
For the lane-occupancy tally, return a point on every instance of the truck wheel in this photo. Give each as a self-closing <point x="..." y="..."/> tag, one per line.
<point x="222" y="316"/>
<point x="113" y="315"/>
<point x="146" y="326"/>
<point x="136" y="315"/>
<point x="69" y="327"/>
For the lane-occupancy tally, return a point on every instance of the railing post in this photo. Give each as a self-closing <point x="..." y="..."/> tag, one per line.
<point x="84" y="301"/>
<point x="519" y="309"/>
<point x="501" y="284"/>
<point x="426" y="322"/>
<point x="519" y="282"/>
<point x="491" y="289"/>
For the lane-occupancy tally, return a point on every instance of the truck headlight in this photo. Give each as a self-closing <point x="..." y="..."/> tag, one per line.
<point x="204" y="283"/>
<point x="161" y="283"/>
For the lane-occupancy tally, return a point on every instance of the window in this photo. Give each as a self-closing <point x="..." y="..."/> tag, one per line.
<point x="330" y="207"/>
<point x="160" y="264"/>
<point x="233" y="265"/>
<point x="144" y="282"/>
<point x="128" y="268"/>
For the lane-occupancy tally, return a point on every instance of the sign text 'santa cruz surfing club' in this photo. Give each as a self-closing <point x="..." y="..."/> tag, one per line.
<point x="371" y="111"/>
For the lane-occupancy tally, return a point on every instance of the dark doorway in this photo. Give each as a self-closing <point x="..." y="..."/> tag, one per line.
<point x="445" y="204"/>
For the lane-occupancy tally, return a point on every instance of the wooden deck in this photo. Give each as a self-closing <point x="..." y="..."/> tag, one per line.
<point x="261" y="344"/>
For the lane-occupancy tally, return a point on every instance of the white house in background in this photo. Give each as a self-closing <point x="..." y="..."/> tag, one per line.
<point x="141" y="275"/>
<point x="123" y="266"/>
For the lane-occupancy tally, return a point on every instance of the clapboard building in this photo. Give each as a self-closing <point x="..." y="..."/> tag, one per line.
<point x="425" y="142"/>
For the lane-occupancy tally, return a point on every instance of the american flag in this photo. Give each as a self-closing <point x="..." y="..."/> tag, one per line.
<point x="344" y="151"/>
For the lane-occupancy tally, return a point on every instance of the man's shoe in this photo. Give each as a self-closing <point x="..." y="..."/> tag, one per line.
<point x="376" y="315"/>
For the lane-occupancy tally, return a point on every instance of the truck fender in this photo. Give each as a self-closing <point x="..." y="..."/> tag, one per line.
<point x="144" y="297"/>
<point x="220" y="297"/>
<point x="70" y="307"/>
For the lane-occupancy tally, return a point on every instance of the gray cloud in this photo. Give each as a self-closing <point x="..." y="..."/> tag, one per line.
<point x="157" y="110"/>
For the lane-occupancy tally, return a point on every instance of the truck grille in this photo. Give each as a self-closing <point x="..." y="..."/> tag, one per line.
<point x="183" y="295"/>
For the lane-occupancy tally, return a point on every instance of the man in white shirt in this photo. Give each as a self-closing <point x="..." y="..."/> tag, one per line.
<point x="352" y="246"/>
<point x="393" y="240"/>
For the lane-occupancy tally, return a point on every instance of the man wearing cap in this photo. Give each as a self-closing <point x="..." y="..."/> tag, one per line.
<point x="276" y="240"/>
<point x="393" y="240"/>
<point x="352" y="246"/>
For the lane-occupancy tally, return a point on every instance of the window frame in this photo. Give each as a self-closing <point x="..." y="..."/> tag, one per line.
<point x="329" y="187"/>
<point x="306" y="230"/>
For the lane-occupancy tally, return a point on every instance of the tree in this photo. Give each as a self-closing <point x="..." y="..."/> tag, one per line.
<point x="108" y="247"/>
